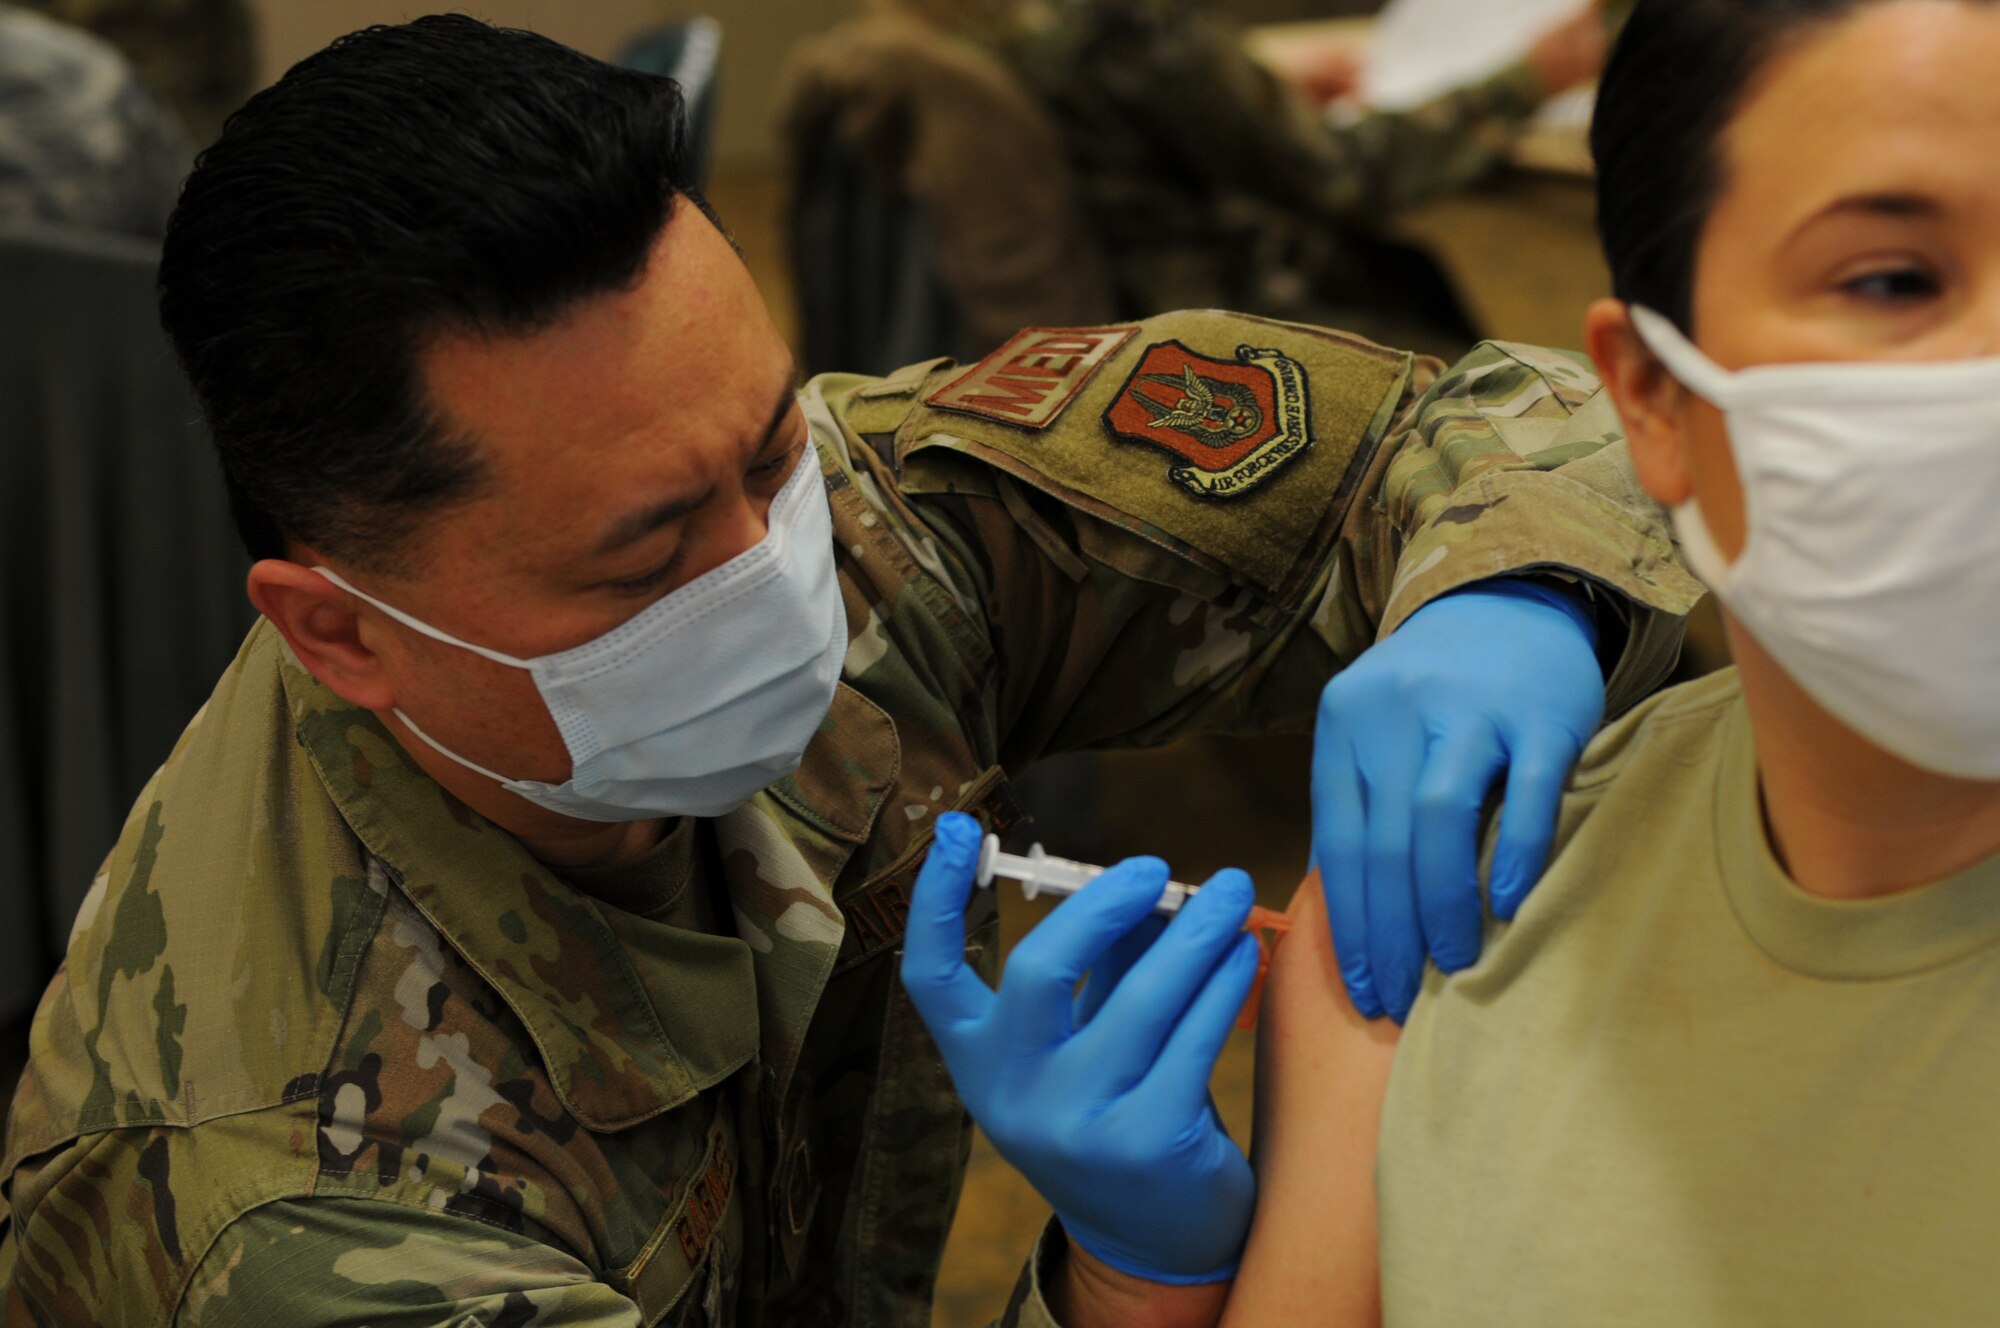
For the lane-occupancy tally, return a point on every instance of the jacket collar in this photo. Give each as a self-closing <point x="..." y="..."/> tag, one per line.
<point x="612" y="1055"/>
<point x="782" y="852"/>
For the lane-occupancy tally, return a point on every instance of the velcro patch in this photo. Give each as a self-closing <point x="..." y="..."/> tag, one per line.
<point x="1235" y="422"/>
<point x="1029" y="381"/>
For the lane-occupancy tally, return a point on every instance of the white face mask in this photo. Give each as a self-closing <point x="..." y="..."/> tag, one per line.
<point x="705" y="696"/>
<point x="1871" y="564"/>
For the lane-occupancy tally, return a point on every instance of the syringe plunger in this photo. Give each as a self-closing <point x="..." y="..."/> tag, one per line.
<point x="1038" y="871"/>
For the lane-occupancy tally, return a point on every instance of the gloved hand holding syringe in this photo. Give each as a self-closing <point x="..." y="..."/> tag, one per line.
<point x="1039" y="872"/>
<point x="1089" y="1064"/>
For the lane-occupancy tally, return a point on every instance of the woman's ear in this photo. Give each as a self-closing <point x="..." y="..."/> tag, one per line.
<point x="319" y="621"/>
<point x="1650" y="401"/>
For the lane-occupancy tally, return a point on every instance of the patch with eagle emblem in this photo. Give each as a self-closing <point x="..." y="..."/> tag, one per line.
<point x="1234" y="422"/>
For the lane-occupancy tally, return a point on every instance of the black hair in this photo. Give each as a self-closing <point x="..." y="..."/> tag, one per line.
<point x="440" y="175"/>
<point x="1676" y="78"/>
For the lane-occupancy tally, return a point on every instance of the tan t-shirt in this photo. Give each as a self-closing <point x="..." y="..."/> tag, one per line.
<point x="1678" y="1090"/>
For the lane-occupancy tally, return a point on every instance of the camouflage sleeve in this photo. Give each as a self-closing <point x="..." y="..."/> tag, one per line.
<point x="1218" y="120"/>
<point x="82" y="143"/>
<point x="1514" y="462"/>
<point x="1382" y="161"/>
<point x="1120" y="609"/>
<point x="1028" y="1307"/>
<point x="199" y="56"/>
<point x="312" y="1262"/>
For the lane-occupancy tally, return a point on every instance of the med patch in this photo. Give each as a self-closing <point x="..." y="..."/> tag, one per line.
<point x="1029" y="381"/>
<point x="1234" y="422"/>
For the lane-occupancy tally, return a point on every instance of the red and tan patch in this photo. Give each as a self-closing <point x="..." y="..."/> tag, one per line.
<point x="1029" y="381"/>
<point x="1234" y="422"/>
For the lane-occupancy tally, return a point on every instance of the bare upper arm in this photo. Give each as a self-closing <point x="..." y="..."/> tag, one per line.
<point x="1321" y="1073"/>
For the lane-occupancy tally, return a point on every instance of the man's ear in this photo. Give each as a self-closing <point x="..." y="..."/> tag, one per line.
<point x="318" y="620"/>
<point x="1650" y="401"/>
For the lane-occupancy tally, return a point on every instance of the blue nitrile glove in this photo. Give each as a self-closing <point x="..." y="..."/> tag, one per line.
<point x="1499" y="677"/>
<point x="1100" y="1099"/>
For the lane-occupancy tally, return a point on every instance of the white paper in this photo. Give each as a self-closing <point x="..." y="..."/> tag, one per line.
<point x="1425" y="48"/>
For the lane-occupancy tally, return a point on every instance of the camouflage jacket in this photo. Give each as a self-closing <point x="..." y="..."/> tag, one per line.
<point x="328" y="1048"/>
<point x="81" y="142"/>
<point x="198" y="56"/>
<point x="1209" y="183"/>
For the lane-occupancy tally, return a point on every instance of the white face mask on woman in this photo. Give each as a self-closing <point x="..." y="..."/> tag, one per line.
<point x="705" y="696"/>
<point x="1870" y="566"/>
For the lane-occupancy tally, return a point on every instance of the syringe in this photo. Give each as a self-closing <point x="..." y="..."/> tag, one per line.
<point x="1038" y="871"/>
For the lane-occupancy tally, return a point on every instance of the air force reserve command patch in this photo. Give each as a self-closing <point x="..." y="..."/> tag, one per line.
<point x="1233" y="421"/>
<point x="1268" y="431"/>
<point x="1029" y="380"/>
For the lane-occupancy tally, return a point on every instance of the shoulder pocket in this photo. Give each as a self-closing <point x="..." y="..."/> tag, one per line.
<point x="1235" y="442"/>
<point x="1548" y="406"/>
<point x="1555" y="382"/>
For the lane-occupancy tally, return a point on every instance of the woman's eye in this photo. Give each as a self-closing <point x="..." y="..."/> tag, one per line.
<point x="1894" y="284"/>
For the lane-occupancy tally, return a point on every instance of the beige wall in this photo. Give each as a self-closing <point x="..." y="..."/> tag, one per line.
<point x="756" y="36"/>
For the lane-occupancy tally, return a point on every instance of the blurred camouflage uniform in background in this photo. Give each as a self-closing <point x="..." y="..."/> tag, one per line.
<point x="198" y="56"/>
<point x="82" y="143"/>
<point x="329" y="1048"/>
<point x="1211" y="184"/>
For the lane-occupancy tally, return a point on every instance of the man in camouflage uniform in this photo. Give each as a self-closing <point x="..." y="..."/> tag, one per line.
<point x="198" y="56"/>
<point x="1211" y="183"/>
<point x="347" y="1035"/>
<point x="81" y="142"/>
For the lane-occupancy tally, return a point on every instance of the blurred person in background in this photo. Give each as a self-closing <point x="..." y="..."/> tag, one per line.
<point x="197" y="56"/>
<point x="1213" y="181"/>
<point x="82" y="143"/>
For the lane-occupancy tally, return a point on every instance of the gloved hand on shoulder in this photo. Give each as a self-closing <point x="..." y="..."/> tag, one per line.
<point x="1499" y="681"/>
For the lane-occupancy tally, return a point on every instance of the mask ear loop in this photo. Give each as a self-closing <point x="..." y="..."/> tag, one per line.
<point x="1703" y="555"/>
<point x="1711" y="382"/>
<point x="511" y="785"/>
<point x="420" y="626"/>
<point x="1683" y="359"/>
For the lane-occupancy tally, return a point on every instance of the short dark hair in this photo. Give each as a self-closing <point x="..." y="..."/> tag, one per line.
<point x="1676" y="77"/>
<point x="437" y="176"/>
